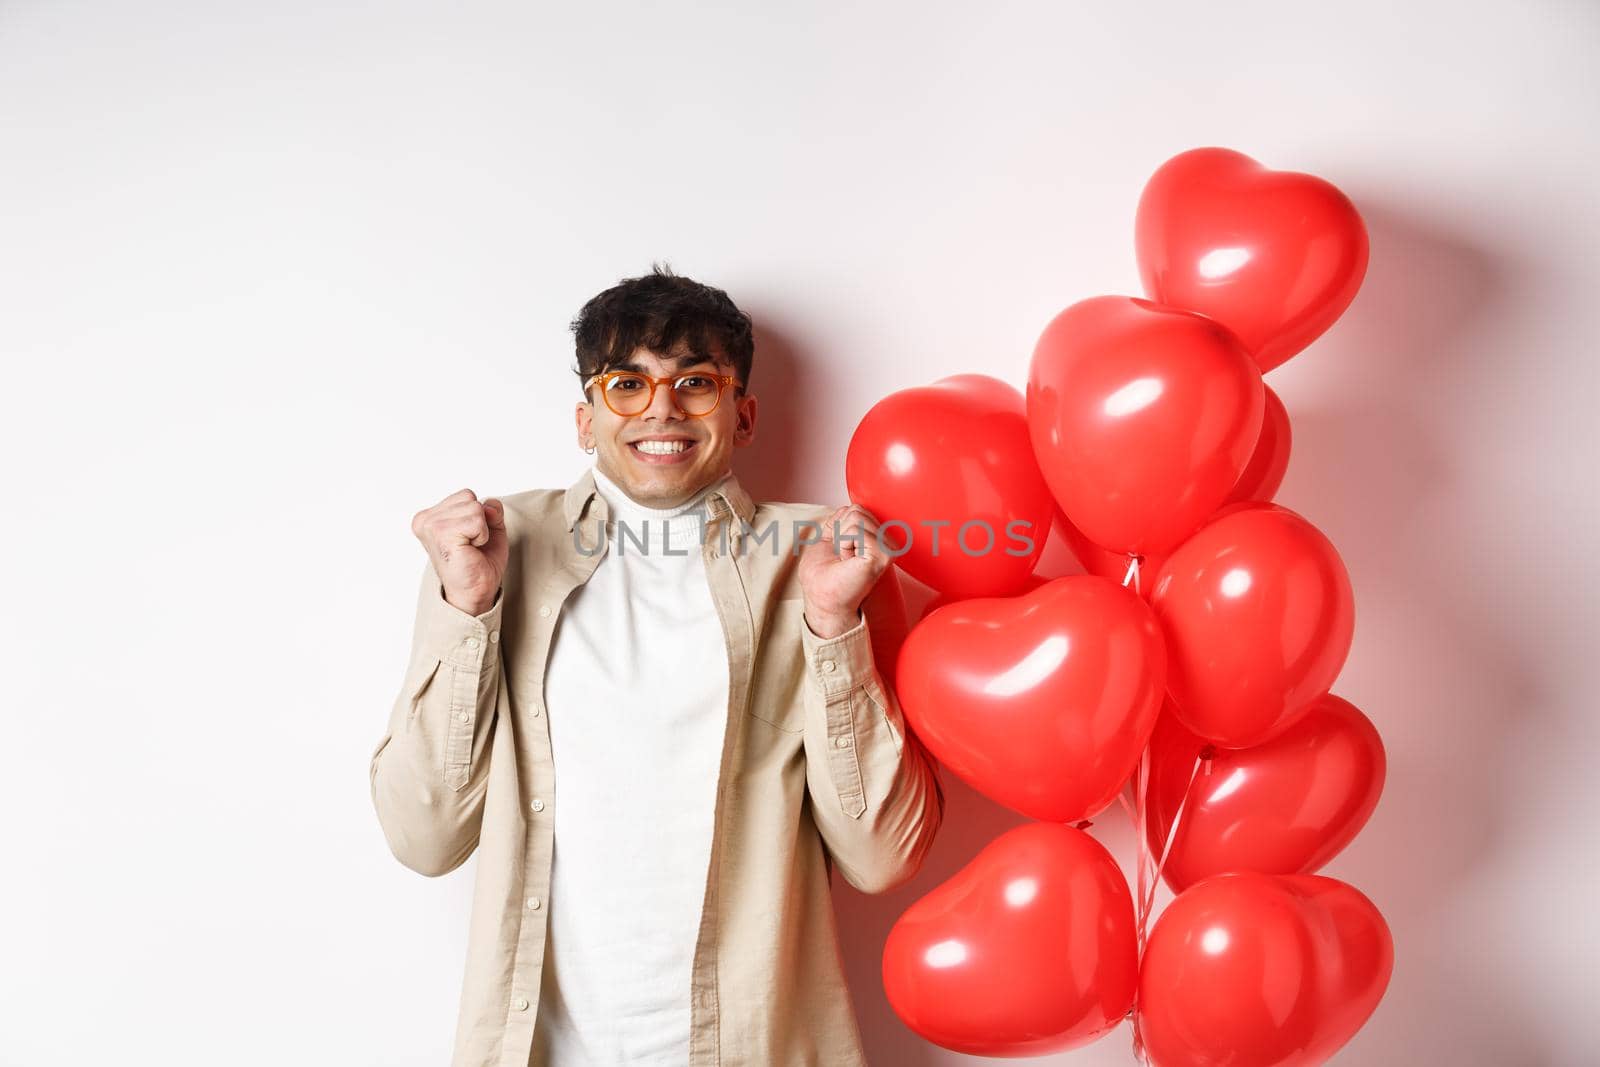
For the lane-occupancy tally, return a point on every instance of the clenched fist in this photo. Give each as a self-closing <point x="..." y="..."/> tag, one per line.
<point x="835" y="576"/>
<point x="466" y="540"/>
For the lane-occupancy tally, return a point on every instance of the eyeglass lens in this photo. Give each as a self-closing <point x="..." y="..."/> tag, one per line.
<point x="629" y="394"/>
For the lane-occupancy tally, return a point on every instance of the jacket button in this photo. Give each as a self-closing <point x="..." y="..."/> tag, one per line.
<point x="537" y="805"/>
<point x="544" y="611"/>
<point x="827" y="665"/>
<point x="841" y="742"/>
<point x="534" y="903"/>
<point x="521" y="1003"/>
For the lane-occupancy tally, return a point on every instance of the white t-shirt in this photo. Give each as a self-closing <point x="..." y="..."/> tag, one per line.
<point x="637" y="692"/>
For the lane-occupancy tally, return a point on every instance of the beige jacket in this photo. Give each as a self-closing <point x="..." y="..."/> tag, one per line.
<point x="817" y="770"/>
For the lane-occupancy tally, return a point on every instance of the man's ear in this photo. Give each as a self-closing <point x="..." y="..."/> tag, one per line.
<point x="583" y="418"/>
<point x="744" y="431"/>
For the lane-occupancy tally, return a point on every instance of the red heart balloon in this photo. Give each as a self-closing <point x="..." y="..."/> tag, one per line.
<point x="1276" y="256"/>
<point x="1258" y="614"/>
<point x="1042" y="702"/>
<point x="1028" y="949"/>
<point x="1260" y="481"/>
<point x="1261" y="970"/>
<point x="1142" y="418"/>
<point x="1034" y="582"/>
<point x="956" y="451"/>
<point x="1264" y="473"/>
<point x="1286" y="806"/>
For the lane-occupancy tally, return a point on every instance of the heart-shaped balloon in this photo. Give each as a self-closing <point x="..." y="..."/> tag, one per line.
<point x="1286" y="806"/>
<point x="1028" y="949"/>
<point x="954" y="452"/>
<point x="1261" y="970"/>
<point x="1276" y="256"/>
<point x="1259" y="615"/>
<point x="1142" y="418"/>
<point x="1034" y="582"/>
<point x="1042" y="702"/>
<point x="1260" y="480"/>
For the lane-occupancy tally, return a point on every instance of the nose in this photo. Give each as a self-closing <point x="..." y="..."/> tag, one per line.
<point x="664" y="405"/>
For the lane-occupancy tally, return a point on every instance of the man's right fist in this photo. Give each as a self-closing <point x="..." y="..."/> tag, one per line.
<point x="466" y="540"/>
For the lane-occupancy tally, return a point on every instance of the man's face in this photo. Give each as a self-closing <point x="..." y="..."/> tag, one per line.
<point x="663" y="481"/>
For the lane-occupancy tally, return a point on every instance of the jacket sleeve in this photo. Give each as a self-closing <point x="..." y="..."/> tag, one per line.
<point x="430" y="770"/>
<point x="875" y="791"/>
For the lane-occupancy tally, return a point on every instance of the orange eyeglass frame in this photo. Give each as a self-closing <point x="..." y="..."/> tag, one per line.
<point x="722" y="380"/>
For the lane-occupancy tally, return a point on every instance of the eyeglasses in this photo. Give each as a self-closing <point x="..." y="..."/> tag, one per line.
<point x="629" y="393"/>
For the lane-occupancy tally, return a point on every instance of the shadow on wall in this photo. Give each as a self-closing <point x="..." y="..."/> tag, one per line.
<point x="768" y="466"/>
<point x="1436" y="662"/>
<point x="1438" y="626"/>
<point x="797" y="456"/>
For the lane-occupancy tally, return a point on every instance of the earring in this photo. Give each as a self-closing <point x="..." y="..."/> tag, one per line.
<point x="590" y="450"/>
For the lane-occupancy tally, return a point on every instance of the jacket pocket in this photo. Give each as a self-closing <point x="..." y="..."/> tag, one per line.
<point x="777" y="696"/>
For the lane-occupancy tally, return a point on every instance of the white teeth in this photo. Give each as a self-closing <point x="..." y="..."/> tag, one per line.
<point x="661" y="448"/>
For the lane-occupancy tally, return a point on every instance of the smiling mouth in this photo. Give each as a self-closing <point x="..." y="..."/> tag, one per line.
<point x="661" y="451"/>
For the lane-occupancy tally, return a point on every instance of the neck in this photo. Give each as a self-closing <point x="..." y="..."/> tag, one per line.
<point x="624" y="506"/>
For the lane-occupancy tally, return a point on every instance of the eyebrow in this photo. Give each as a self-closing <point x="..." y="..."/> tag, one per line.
<point x="634" y="364"/>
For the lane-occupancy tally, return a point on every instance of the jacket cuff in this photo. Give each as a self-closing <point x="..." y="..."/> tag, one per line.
<point x="839" y="663"/>
<point x="451" y="635"/>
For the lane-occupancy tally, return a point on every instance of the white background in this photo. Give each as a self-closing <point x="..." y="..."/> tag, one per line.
<point x="274" y="276"/>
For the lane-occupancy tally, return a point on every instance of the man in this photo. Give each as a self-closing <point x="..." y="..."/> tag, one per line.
<point x="655" y="709"/>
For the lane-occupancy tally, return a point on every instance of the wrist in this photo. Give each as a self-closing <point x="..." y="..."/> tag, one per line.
<point x="829" y="624"/>
<point x="473" y="607"/>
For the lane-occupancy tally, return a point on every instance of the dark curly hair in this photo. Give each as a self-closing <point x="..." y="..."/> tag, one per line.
<point x="661" y="311"/>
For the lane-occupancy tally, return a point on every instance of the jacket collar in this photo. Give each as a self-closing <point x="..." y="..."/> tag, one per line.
<point x="729" y="498"/>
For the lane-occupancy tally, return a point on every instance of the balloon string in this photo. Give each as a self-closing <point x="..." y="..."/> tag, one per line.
<point x="1133" y="572"/>
<point x="1141" y="816"/>
<point x="1202" y="758"/>
<point x="1127" y="797"/>
<point x="1150" y="866"/>
<point x="1142" y="801"/>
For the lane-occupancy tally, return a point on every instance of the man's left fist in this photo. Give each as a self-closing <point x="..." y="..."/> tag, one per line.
<point x="837" y="572"/>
